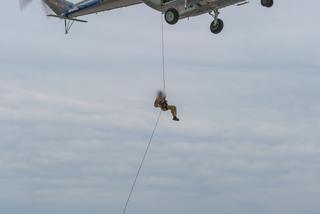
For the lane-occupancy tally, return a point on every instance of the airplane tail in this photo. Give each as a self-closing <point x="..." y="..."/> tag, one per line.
<point x="58" y="6"/>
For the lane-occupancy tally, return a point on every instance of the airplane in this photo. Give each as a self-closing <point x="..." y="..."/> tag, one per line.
<point x="173" y="10"/>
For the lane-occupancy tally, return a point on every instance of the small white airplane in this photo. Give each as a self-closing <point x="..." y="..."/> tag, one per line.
<point x="173" y="9"/>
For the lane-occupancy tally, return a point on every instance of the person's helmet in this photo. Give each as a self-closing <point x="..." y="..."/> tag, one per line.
<point x="161" y="94"/>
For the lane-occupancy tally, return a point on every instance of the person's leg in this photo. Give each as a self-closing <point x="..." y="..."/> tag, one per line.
<point x="173" y="110"/>
<point x="164" y="109"/>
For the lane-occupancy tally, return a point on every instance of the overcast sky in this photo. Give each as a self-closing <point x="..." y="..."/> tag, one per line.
<point x="76" y="112"/>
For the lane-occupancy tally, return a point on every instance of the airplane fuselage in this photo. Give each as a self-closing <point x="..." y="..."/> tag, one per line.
<point x="190" y="7"/>
<point x="173" y="10"/>
<point x="186" y="8"/>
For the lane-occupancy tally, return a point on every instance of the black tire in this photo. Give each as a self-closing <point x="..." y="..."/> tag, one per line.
<point x="171" y="16"/>
<point x="216" y="27"/>
<point x="267" y="3"/>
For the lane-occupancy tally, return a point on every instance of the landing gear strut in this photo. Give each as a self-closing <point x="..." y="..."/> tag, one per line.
<point x="267" y="3"/>
<point x="216" y="25"/>
<point x="171" y="16"/>
<point x="67" y="25"/>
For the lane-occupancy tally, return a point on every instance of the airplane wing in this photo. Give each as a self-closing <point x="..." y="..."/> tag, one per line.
<point x="87" y="7"/>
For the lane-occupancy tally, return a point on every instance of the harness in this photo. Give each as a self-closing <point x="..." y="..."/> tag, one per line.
<point x="164" y="105"/>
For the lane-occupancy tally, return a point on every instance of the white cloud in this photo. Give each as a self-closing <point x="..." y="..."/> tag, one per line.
<point x="76" y="113"/>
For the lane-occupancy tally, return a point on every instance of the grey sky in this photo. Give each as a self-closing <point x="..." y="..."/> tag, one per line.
<point x="76" y="112"/>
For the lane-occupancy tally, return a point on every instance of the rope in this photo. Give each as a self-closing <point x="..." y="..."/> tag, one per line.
<point x="141" y="164"/>
<point x="155" y="127"/>
<point x="163" y="56"/>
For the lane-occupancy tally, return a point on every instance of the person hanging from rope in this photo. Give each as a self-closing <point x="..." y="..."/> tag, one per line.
<point x="162" y="103"/>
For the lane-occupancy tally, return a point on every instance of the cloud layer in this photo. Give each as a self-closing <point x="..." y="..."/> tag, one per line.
<point x="76" y="112"/>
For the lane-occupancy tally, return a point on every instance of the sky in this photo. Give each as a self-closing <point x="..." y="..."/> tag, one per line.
<point x="76" y="112"/>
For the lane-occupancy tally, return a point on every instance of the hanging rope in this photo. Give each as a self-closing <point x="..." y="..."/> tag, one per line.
<point x="163" y="56"/>
<point x="154" y="129"/>
<point x="141" y="164"/>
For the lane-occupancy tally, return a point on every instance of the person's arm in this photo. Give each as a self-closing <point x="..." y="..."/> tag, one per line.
<point x="165" y="104"/>
<point x="156" y="103"/>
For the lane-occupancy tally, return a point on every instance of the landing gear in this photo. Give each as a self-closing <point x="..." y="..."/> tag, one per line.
<point x="171" y="16"/>
<point x="216" y="25"/>
<point x="67" y="25"/>
<point x="267" y="3"/>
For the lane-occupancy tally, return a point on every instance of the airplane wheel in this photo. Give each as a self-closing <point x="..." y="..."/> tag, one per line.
<point x="267" y="3"/>
<point x="171" y="16"/>
<point x="216" y="27"/>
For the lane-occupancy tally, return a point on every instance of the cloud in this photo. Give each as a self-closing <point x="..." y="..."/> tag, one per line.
<point x="76" y="113"/>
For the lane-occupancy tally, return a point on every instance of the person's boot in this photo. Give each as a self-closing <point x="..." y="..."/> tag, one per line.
<point x="175" y="118"/>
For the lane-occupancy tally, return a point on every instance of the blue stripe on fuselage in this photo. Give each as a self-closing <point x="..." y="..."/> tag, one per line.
<point x="84" y="5"/>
